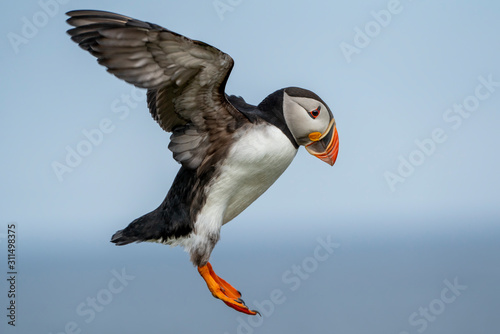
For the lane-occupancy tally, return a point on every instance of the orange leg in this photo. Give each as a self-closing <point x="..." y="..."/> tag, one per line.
<point x="223" y="290"/>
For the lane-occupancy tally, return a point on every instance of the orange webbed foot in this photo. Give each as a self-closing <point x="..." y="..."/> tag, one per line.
<point x="224" y="291"/>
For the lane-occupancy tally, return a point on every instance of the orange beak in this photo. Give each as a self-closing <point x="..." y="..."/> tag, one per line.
<point x="326" y="147"/>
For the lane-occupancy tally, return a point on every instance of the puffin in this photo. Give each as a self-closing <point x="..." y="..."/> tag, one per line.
<point x="230" y="151"/>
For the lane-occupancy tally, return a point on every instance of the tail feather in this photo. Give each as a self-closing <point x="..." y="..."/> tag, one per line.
<point x="172" y="219"/>
<point x="153" y="226"/>
<point x="146" y="228"/>
<point x="119" y="239"/>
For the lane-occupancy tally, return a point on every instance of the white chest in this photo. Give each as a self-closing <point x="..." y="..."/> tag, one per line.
<point x="253" y="164"/>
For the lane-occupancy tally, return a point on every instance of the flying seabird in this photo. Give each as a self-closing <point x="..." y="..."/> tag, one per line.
<point x="230" y="151"/>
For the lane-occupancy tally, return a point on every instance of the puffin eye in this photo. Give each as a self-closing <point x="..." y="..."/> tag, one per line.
<point x="314" y="113"/>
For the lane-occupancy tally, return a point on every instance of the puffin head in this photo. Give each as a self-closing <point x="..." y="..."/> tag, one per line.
<point x="311" y="123"/>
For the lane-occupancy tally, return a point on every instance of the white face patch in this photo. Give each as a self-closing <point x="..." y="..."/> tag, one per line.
<point x="300" y="116"/>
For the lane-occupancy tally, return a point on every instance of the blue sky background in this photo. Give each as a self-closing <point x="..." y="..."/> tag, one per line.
<point x="398" y="243"/>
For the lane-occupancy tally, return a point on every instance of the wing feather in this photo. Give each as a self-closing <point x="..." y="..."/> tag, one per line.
<point x="185" y="79"/>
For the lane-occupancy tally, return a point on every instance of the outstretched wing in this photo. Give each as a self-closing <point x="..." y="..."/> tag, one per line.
<point x="185" y="79"/>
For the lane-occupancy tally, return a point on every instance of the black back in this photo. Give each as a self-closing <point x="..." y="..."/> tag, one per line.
<point x="269" y="110"/>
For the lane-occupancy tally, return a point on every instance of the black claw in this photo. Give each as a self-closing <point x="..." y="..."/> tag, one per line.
<point x="260" y="315"/>
<point x="239" y="300"/>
